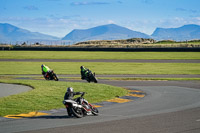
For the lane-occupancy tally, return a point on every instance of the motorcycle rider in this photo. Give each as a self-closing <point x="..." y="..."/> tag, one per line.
<point x="45" y="70"/>
<point x="84" y="72"/>
<point x="69" y="96"/>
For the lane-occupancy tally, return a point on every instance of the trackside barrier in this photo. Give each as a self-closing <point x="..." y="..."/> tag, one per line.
<point x="197" y="49"/>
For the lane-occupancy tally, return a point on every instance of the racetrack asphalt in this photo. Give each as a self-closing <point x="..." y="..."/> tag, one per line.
<point x="11" y="89"/>
<point x="168" y="107"/>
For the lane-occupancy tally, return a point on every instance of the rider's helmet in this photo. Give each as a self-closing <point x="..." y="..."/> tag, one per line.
<point x="42" y="65"/>
<point x="81" y="67"/>
<point x="70" y="89"/>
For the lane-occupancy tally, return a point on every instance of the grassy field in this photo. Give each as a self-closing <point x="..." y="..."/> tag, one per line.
<point x="101" y="68"/>
<point x="96" y="55"/>
<point x="48" y="95"/>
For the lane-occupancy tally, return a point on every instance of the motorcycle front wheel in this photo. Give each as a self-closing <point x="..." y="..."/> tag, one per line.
<point x="94" y="79"/>
<point x="94" y="110"/>
<point x="55" y="77"/>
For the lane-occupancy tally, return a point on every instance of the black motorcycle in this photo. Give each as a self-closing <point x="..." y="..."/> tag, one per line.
<point x="50" y="75"/>
<point x="90" y="77"/>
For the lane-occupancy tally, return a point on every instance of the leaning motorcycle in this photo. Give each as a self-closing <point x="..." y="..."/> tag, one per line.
<point x="91" y="77"/>
<point x="80" y="109"/>
<point x="50" y="76"/>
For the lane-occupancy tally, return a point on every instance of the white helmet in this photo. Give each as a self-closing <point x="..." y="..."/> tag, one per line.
<point x="70" y="89"/>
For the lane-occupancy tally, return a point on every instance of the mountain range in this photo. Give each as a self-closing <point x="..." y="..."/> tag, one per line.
<point x="104" y="32"/>
<point x="186" y="32"/>
<point x="10" y="33"/>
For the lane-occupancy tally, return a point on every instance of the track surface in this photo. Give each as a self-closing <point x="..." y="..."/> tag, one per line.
<point x="168" y="107"/>
<point x="11" y="89"/>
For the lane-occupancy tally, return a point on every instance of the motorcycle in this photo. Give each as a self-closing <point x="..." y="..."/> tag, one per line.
<point x="80" y="107"/>
<point x="50" y="76"/>
<point x="91" y="77"/>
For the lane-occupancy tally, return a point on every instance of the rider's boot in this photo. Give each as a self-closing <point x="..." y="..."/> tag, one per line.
<point x="89" y="113"/>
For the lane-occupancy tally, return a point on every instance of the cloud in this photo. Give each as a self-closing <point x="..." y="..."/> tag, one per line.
<point x="181" y="9"/>
<point x="31" y="7"/>
<point x="52" y="16"/>
<point x="186" y="10"/>
<point x="193" y="11"/>
<point x="148" y="1"/>
<point x="120" y="2"/>
<point x="110" y="22"/>
<point x="53" y="0"/>
<point x="178" y="22"/>
<point x="88" y="3"/>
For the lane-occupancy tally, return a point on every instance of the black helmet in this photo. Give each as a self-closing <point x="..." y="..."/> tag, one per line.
<point x="42" y="65"/>
<point x="82" y="67"/>
<point x="70" y="89"/>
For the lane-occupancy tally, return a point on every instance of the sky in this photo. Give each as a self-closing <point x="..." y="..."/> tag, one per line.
<point x="59" y="17"/>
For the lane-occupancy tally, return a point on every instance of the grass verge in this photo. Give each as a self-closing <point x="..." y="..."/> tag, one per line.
<point x="101" y="68"/>
<point x="48" y="95"/>
<point x="96" y="55"/>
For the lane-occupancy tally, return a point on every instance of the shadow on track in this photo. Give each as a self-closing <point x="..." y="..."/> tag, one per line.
<point x="52" y="117"/>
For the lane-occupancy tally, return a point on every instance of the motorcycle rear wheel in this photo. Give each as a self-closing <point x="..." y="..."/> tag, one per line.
<point x="94" y="79"/>
<point x="77" y="112"/>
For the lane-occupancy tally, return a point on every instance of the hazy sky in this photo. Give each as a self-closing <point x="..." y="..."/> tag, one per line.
<point x="59" y="17"/>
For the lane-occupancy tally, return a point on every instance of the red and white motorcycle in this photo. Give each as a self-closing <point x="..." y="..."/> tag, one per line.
<point x="80" y="107"/>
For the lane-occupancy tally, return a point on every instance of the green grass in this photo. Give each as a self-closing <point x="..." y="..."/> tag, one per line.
<point x="100" y="68"/>
<point x="48" y="95"/>
<point x="96" y="55"/>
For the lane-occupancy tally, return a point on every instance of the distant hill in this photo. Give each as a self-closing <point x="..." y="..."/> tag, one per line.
<point x="10" y="33"/>
<point x="186" y="32"/>
<point x="122" y="42"/>
<point x="104" y="32"/>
